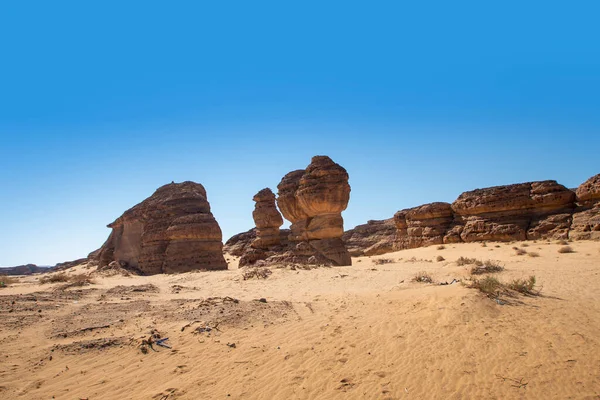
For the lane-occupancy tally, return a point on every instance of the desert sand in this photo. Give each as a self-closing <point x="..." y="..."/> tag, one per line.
<point x="363" y="331"/>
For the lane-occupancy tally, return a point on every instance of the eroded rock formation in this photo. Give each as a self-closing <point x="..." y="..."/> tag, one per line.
<point x="422" y="226"/>
<point x="171" y="231"/>
<point x="586" y="219"/>
<point x="533" y="210"/>
<point x="267" y="219"/>
<point x="524" y="211"/>
<point x="312" y="200"/>
<point x="371" y="239"/>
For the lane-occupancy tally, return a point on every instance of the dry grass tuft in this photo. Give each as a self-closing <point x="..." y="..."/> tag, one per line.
<point x="524" y="286"/>
<point x="488" y="267"/>
<point x="441" y="247"/>
<point x="75" y="280"/>
<point x="258" y="273"/>
<point x="468" y="261"/>
<point x="488" y="285"/>
<point x="423" y="277"/>
<point x="562" y="242"/>
<point x="566" y="249"/>
<point x="533" y="254"/>
<point x="524" y="245"/>
<point x="440" y="259"/>
<point x="520" y="252"/>
<point x="381" y="261"/>
<point x="6" y="280"/>
<point x="55" y="278"/>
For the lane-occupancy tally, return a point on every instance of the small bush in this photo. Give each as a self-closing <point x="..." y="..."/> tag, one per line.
<point x="6" y="280"/>
<point x="381" y="261"/>
<point x="467" y="261"/>
<point x="524" y="286"/>
<point x="258" y="273"/>
<point x="441" y="247"/>
<point x="562" y="242"/>
<point x="533" y="254"/>
<point x="489" y="285"/>
<point x="488" y="267"/>
<point x="439" y="258"/>
<point x="521" y="252"/>
<point x="524" y="245"/>
<point x="78" y="280"/>
<point x="423" y="277"/>
<point x="54" y="278"/>
<point x="566" y="249"/>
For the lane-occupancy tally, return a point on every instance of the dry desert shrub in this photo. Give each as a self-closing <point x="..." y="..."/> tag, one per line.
<point x="566" y="249"/>
<point x="484" y="244"/>
<point x="562" y="242"/>
<point x="6" y="280"/>
<point x="533" y="254"/>
<point x="423" y="277"/>
<point x="488" y="285"/>
<point x="381" y="261"/>
<point x="467" y="261"/>
<point x="524" y="286"/>
<point x="54" y="278"/>
<point x="441" y="247"/>
<point x="488" y="267"/>
<point x="258" y="273"/>
<point x="520" y="252"/>
<point x="78" y="280"/>
<point x="439" y="258"/>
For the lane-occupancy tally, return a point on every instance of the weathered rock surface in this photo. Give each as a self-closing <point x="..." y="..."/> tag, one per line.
<point x="586" y="218"/>
<point x="370" y="239"/>
<point x="422" y="226"/>
<point x="312" y="200"/>
<point x="27" y="269"/>
<point x="171" y="231"/>
<point x="524" y="211"/>
<point x="267" y="219"/>
<point x="240" y="243"/>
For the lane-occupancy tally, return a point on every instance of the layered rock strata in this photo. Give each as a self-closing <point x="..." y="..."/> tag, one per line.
<point x="267" y="219"/>
<point x="312" y="200"/>
<point x="524" y="211"/>
<point x="586" y="219"/>
<point x="171" y="231"/>
<point x="371" y="239"/>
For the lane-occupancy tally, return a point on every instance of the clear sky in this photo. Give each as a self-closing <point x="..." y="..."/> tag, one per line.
<point x="103" y="102"/>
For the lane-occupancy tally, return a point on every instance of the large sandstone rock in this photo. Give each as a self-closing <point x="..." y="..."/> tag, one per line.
<point x="267" y="219"/>
<point x="422" y="226"/>
<point x="370" y="239"/>
<point x="313" y="200"/>
<point x="586" y="218"/>
<point x="171" y="231"/>
<point x="240" y="243"/>
<point x="512" y="212"/>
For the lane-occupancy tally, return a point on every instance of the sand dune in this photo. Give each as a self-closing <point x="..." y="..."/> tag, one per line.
<point x="364" y="331"/>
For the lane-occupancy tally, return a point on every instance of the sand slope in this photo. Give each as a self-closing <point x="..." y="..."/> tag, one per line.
<point x="365" y="331"/>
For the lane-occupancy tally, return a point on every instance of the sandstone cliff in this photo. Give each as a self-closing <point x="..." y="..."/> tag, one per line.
<point x="267" y="219"/>
<point x="171" y="231"/>
<point x="524" y="211"/>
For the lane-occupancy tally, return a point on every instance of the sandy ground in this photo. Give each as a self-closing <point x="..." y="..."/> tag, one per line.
<point x="365" y="331"/>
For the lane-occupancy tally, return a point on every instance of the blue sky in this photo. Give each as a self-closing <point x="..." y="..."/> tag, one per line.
<point x="102" y="103"/>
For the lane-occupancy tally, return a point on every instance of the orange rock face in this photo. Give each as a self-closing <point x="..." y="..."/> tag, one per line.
<point x="586" y="219"/>
<point x="371" y="239"/>
<point x="171" y="231"/>
<point x="267" y="219"/>
<point x="313" y="200"/>
<point x="422" y="226"/>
